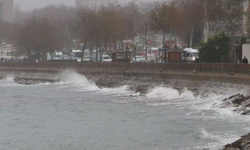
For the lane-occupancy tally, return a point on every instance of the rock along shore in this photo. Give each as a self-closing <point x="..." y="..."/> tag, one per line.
<point x="242" y="144"/>
<point x="143" y="82"/>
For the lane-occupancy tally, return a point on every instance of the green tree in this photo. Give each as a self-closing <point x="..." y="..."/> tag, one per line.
<point x="216" y="49"/>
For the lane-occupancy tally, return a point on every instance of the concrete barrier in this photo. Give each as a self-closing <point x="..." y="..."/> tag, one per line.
<point x="183" y="67"/>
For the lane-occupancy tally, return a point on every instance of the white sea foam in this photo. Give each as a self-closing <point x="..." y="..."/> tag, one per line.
<point x="81" y="83"/>
<point x="220" y="139"/>
<point x="54" y="83"/>
<point x="77" y="80"/>
<point x="166" y="93"/>
<point x="159" y="96"/>
<point x="204" y="134"/>
<point x="118" y="91"/>
<point x="9" y="81"/>
<point x="9" y="78"/>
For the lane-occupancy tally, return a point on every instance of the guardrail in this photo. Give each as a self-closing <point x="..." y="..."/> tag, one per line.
<point x="218" y="67"/>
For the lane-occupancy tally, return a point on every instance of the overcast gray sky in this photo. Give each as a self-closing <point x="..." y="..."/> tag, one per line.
<point x="27" y="5"/>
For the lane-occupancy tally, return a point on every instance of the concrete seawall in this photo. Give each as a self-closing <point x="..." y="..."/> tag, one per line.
<point x="141" y="77"/>
<point x="231" y="73"/>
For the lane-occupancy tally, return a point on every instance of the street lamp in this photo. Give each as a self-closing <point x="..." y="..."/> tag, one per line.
<point x="175" y="49"/>
<point x="237" y="45"/>
<point x="127" y="50"/>
<point x="134" y="50"/>
<point x="165" y="53"/>
<point x="58" y="53"/>
<point x="200" y="51"/>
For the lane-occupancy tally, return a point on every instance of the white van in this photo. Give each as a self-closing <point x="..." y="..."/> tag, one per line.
<point x="106" y="58"/>
<point x="76" y="55"/>
<point x="189" y="54"/>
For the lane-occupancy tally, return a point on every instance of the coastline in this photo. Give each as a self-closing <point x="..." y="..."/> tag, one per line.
<point x="140" y="81"/>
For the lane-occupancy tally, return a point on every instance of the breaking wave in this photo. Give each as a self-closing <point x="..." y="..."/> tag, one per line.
<point x="165" y="93"/>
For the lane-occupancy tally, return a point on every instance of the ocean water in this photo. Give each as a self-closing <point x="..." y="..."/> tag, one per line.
<point x="74" y="114"/>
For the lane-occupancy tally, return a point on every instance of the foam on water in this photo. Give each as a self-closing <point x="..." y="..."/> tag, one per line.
<point x="204" y="134"/>
<point x="220" y="139"/>
<point x="159" y="96"/>
<point x="9" y="81"/>
<point x="81" y="83"/>
<point x="9" y="78"/>
<point x="78" y="81"/>
<point x="166" y="93"/>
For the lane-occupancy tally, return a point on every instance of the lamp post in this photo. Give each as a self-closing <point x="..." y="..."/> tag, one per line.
<point x="58" y="53"/>
<point x="216" y="48"/>
<point x="237" y="45"/>
<point x="165" y="53"/>
<point x="200" y="51"/>
<point x="127" y="51"/>
<point x="134" y="50"/>
<point x="175" y="50"/>
<point x="164" y="48"/>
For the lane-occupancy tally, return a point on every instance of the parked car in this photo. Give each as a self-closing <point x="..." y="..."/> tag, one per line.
<point x="139" y="59"/>
<point x="86" y="59"/>
<point x="151" y="58"/>
<point x="106" y="58"/>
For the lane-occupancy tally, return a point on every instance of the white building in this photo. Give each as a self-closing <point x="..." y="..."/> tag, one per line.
<point x="7" y="52"/>
<point x="212" y="28"/>
<point x="94" y="4"/>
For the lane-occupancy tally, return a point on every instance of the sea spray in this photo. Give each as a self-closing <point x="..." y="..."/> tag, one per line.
<point x="166" y="93"/>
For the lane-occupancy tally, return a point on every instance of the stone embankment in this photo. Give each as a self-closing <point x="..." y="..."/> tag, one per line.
<point x="242" y="144"/>
<point x="239" y="102"/>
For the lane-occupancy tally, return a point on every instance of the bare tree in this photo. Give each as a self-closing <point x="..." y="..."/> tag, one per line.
<point x="6" y="31"/>
<point x="167" y="18"/>
<point x="193" y="17"/>
<point x="230" y="13"/>
<point x="247" y="24"/>
<point x="46" y="38"/>
<point x="25" y="38"/>
<point x="85" y="27"/>
<point x="35" y="34"/>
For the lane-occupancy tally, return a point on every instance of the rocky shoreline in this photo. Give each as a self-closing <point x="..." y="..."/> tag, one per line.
<point x="144" y="84"/>
<point x="239" y="102"/>
<point x="242" y="144"/>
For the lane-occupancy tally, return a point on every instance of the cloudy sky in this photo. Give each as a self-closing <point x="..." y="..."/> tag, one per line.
<point x="27" y="5"/>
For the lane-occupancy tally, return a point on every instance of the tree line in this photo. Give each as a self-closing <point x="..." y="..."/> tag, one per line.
<point x="56" y="27"/>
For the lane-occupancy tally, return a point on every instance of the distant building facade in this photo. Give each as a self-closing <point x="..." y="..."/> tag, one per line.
<point x="213" y="28"/>
<point x="7" y="10"/>
<point x="94" y="4"/>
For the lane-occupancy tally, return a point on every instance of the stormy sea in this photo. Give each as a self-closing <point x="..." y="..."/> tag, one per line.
<point x="75" y="114"/>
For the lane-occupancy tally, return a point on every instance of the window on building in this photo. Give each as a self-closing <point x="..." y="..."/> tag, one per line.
<point x="211" y="28"/>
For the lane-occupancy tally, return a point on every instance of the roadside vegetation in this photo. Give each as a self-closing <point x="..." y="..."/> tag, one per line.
<point x="59" y="27"/>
